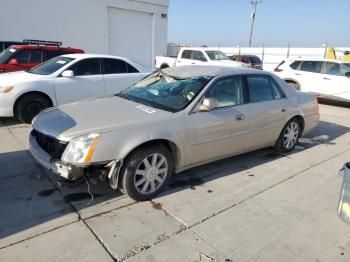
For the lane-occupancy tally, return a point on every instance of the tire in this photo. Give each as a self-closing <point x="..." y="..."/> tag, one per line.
<point x="288" y="137"/>
<point x="295" y="85"/>
<point x="163" y="66"/>
<point x="30" y="105"/>
<point x="146" y="172"/>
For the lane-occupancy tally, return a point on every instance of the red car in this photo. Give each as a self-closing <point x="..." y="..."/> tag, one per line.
<point x="30" y="54"/>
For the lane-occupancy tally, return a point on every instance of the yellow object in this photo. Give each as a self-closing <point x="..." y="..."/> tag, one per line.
<point x="331" y="53"/>
<point x="346" y="57"/>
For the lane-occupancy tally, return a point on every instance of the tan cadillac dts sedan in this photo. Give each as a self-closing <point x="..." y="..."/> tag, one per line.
<point x="172" y="120"/>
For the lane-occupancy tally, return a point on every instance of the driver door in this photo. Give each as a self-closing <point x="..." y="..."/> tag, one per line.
<point x="87" y="82"/>
<point x="222" y="131"/>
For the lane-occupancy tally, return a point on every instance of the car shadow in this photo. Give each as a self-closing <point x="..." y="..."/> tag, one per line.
<point x="31" y="198"/>
<point x="9" y="121"/>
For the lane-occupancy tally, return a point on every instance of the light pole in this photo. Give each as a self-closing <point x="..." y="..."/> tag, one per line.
<point x="254" y="4"/>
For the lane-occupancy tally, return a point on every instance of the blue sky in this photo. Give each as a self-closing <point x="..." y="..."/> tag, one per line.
<point x="303" y="23"/>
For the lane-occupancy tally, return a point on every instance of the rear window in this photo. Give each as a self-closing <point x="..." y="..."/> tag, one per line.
<point x="186" y="54"/>
<point x="262" y="88"/>
<point x="295" y="65"/>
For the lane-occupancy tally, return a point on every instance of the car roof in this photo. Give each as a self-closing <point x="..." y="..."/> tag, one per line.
<point x="317" y="59"/>
<point x="199" y="70"/>
<point x="47" y="47"/>
<point x="79" y="56"/>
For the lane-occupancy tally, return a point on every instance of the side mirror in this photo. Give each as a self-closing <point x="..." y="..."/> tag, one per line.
<point x="67" y="73"/>
<point x="208" y="103"/>
<point x="347" y="74"/>
<point x="14" y="61"/>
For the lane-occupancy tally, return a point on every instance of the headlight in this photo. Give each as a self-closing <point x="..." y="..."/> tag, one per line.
<point x="6" y="89"/>
<point x="80" y="149"/>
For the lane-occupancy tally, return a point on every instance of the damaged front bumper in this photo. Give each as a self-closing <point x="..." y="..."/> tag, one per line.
<point x="108" y="169"/>
<point x="44" y="159"/>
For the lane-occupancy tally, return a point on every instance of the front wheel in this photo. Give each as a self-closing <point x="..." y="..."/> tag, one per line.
<point x="288" y="137"/>
<point x="147" y="172"/>
<point x="29" y="106"/>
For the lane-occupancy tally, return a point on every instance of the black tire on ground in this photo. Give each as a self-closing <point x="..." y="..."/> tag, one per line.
<point x="293" y="84"/>
<point x="282" y="145"/>
<point x="30" y="105"/>
<point x="163" y="66"/>
<point x="134" y="163"/>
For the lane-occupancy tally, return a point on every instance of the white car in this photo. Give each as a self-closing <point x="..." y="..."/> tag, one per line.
<point x="65" y="79"/>
<point x="196" y="56"/>
<point x="330" y="79"/>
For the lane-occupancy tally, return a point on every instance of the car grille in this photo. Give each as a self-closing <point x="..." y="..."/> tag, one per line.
<point x="52" y="146"/>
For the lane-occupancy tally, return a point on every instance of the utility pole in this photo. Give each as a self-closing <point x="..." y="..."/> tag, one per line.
<point x="254" y="4"/>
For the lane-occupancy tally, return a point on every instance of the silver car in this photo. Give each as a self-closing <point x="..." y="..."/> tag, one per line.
<point x="170" y="121"/>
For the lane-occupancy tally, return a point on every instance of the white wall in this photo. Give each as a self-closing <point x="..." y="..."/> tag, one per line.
<point x="76" y="23"/>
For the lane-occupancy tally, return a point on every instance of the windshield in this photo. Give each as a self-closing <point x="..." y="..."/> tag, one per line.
<point x="217" y="55"/>
<point x="165" y="92"/>
<point x="51" y="66"/>
<point x="7" y="54"/>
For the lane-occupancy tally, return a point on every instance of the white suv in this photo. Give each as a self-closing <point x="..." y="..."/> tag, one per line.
<point x="65" y="79"/>
<point x="328" y="78"/>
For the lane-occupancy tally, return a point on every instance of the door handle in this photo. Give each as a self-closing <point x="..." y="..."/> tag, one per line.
<point x="239" y="117"/>
<point x="325" y="78"/>
<point x="193" y="63"/>
<point x="283" y="110"/>
<point x="297" y="74"/>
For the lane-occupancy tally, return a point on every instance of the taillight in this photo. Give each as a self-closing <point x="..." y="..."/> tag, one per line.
<point x="278" y="69"/>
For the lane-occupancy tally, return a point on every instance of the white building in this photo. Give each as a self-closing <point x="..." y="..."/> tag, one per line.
<point x="133" y="28"/>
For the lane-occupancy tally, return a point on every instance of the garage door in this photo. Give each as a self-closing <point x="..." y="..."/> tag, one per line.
<point x="130" y="34"/>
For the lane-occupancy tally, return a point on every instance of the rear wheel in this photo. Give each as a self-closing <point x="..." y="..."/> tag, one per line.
<point x="288" y="137"/>
<point x="30" y="105"/>
<point x="147" y="172"/>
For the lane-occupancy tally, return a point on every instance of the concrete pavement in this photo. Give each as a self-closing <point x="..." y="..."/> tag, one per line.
<point x="259" y="206"/>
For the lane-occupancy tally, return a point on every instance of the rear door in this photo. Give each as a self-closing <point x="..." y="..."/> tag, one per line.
<point x="310" y="77"/>
<point x="87" y="82"/>
<point x="267" y="111"/>
<point x="118" y="75"/>
<point x="223" y="130"/>
<point x="185" y="58"/>
<point x="335" y="83"/>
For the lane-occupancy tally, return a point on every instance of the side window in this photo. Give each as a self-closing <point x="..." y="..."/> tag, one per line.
<point x="332" y="68"/>
<point x="132" y="69"/>
<point x="186" y="54"/>
<point x="311" y="66"/>
<point x="198" y="55"/>
<point x="344" y="68"/>
<point x="228" y="91"/>
<point x="87" y="67"/>
<point x="295" y="65"/>
<point x="35" y="57"/>
<point x="263" y="88"/>
<point x="52" y="53"/>
<point x="114" y="66"/>
<point x="23" y="56"/>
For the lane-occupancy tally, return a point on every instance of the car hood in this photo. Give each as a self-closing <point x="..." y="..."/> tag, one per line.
<point x="98" y="115"/>
<point x="18" y="77"/>
<point x="226" y="63"/>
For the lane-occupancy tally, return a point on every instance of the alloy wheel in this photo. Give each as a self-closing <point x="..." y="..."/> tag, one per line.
<point x="290" y="135"/>
<point x="151" y="173"/>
